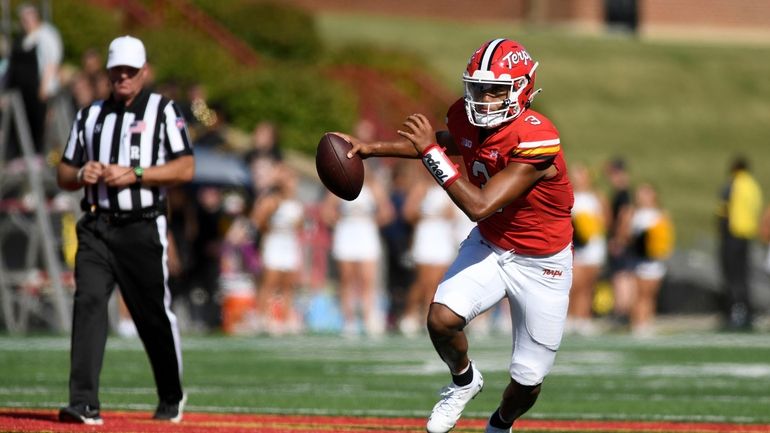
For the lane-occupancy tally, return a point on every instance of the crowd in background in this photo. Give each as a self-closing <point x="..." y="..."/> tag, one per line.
<point x="271" y="252"/>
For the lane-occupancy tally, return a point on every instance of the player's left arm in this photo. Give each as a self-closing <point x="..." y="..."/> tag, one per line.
<point x="501" y="189"/>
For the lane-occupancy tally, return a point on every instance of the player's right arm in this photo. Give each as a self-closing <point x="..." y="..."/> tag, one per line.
<point x="400" y="148"/>
<point x="397" y="148"/>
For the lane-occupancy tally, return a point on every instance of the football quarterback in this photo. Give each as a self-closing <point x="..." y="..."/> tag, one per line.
<point x="518" y="191"/>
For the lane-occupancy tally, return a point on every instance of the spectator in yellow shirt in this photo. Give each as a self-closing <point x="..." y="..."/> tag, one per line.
<point x="738" y="218"/>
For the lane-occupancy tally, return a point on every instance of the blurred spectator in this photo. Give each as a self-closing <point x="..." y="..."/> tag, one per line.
<point x="357" y="250"/>
<point x="618" y="261"/>
<point x="397" y="236"/>
<point x="92" y="68"/>
<point x="652" y="240"/>
<point x="738" y="220"/>
<point x="33" y="69"/>
<point x="279" y="216"/>
<point x="170" y="89"/>
<point x="91" y="83"/>
<point x="462" y="226"/>
<point x="211" y="134"/>
<point x="240" y="264"/>
<point x="206" y="251"/>
<point x="590" y="249"/>
<point x="434" y="247"/>
<point x="196" y="108"/>
<point x="181" y="233"/>
<point x="262" y="158"/>
<point x="82" y="92"/>
<point x="764" y="236"/>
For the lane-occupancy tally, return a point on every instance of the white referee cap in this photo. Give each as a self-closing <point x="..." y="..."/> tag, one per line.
<point x="126" y="51"/>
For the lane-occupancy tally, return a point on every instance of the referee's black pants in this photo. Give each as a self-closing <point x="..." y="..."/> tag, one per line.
<point x="131" y="254"/>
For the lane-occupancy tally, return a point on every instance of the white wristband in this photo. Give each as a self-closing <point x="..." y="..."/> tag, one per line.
<point x="440" y="166"/>
<point x="80" y="174"/>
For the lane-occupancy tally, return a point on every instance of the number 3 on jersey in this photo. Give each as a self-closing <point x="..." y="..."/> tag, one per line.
<point x="479" y="169"/>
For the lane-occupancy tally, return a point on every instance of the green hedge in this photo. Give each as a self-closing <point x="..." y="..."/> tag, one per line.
<point x="188" y="57"/>
<point x="83" y="26"/>
<point x="293" y="85"/>
<point x="272" y="29"/>
<point x="302" y="102"/>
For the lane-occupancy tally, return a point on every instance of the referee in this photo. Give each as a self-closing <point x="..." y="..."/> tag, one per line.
<point x="124" y="152"/>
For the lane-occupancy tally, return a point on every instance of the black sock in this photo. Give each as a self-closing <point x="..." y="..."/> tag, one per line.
<point x="497" y="422"/>
<point x="463" y="379"/>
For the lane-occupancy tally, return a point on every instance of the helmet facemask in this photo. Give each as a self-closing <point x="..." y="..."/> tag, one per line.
<point x="492" y="101"/>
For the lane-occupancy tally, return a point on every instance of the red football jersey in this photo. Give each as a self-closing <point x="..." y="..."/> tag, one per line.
<point x="539" y="222"/>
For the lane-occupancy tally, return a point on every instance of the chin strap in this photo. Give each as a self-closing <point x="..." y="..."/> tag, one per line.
<point x="532" y="96"/>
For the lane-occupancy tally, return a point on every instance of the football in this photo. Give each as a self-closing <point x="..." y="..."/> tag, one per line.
<point x="341" y="175"/>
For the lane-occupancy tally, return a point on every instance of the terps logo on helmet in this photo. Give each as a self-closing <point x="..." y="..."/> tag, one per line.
<point x="512" y="58"/>
<point x="499" y="83"/>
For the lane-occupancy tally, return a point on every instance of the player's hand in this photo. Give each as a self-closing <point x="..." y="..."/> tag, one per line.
<point x="420" y="132"/>
<point x="118" y="176"/>
<point x="91" y="173"/>
<point x="359" y="147"/>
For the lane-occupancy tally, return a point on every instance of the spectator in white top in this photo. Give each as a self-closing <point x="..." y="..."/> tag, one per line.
<point x="46" y="41"/>
<point x="33" y="69"/>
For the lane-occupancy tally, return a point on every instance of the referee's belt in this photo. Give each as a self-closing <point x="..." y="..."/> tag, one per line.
<point x="124" y="217"/>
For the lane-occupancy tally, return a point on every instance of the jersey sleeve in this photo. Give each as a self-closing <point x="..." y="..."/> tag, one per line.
<point x="456" y="109"/>
<point x="175" y="129"/>
<point x="74" y="151"/>
<point x="536" y="146"/>
<point x="455" y="113"/>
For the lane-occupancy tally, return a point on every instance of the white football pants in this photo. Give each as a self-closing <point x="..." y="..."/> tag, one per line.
<point x="537" y="288"/>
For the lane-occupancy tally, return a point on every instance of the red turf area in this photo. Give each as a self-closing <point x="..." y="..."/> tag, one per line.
<point x="23" y="420"/>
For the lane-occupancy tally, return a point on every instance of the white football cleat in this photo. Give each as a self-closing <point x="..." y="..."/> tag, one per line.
<point x="453" y="400"/>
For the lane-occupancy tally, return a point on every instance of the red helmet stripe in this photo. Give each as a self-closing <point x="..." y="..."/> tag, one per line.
<point x="486" y="59"/>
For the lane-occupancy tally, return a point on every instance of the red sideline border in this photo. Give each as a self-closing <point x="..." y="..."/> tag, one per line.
<point x="33" y="420"/>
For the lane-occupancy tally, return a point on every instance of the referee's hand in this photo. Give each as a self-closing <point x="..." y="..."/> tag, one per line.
<point x="118" y="176"/>
<point x="91" y="173"/>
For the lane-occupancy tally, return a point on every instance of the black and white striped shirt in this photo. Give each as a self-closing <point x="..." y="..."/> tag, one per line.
<point x="151" y="131"/>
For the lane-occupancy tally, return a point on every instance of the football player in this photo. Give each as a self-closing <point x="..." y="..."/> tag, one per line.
<point x="518" y="191"/>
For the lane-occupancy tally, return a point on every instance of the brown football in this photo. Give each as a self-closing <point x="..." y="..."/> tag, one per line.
<point x="341" y="175"/>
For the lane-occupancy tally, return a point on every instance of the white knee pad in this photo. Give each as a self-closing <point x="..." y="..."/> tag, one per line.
<point x="531" y="361"/>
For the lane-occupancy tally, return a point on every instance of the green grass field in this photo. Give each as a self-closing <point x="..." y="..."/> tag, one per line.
<point x="678" y="111"/>
<point x="692" y="377"/>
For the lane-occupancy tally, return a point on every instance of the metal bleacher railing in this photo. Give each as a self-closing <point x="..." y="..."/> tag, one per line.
<point x="34" y="281"/>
